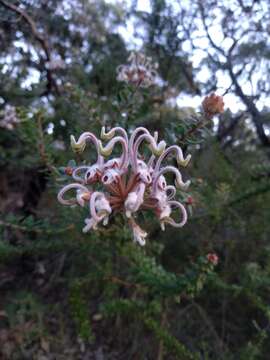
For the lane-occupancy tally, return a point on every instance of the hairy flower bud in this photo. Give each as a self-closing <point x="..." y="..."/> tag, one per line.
<point x="213" y="105"/>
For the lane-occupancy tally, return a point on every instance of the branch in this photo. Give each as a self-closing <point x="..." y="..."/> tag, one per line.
<point x="124" y="283"/>
<point x="51" y="83"/>
<point x="201" y="8"/>
<point x="200" y="124"/>
<point x="243" y="197"/>
<point x="223" y="132"/>
<point x="251" y="107"/>
<point x="42" y="147"/>
<point x="35" y="230"/>
<point x="162" y="326"/>
<point x="251" y="193"/>
<point x="210" y="326"/>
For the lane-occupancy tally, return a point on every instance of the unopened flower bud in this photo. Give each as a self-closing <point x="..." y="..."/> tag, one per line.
<point x="213" y="105"/>
<point x="68" y="170"/>
<point x="190" y="200"/>
<point x="212" y="258"/>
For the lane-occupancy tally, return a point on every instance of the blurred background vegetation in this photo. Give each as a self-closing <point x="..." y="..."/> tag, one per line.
<point x="68" y="295"/>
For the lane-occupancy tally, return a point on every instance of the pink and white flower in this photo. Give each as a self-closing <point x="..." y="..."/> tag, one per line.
<point x="126" y="183"/>
<point x="140" y="71"/>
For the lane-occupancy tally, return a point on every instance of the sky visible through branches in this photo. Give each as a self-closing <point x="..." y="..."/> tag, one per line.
<point x="199" y="53"/>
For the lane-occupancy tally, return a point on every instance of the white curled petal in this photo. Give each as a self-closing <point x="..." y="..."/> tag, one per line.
<point x="103" y="206"/>
<point x="134" y="200"/>
<point x="131" y="203"/>
<point x="139" y="235"/>
<point x="90" y="224"/>
<point x="162" y="225"/>
<point x="165" y="212"/>
<point x="79" y="198"/>
<point x="140" y="239"/>
<point x="99" y="206"/>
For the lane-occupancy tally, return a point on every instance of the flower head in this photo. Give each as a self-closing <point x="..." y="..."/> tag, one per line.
<point x="213" y="105"/>
<point x="126" y="184"/>
<point x="212" y="258"/>
<point x="140" y="71"/>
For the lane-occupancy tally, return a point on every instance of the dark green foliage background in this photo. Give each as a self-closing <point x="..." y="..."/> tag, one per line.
<point x="67" y="295"/>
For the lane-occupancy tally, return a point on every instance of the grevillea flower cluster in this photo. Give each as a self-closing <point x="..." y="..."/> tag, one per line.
<point x="140" y="71"/>
<point x="128" y="183"/>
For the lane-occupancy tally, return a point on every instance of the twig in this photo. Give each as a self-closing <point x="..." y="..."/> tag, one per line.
<point x="258" y="191"/>
<point x="162" y="325"/>
<point x="228" y="65"/>
<point x="41" y="146"/>
<point x="208" y="322"/>
<point x="38" y="36"/>
<point x="116" y="280"/>
<point x="56" y="274"/>
<point x="38" y="231"/>
<point x="190" y="132"/>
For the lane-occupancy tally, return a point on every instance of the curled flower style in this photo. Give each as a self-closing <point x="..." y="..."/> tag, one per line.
<point x="140" y="71"/>
<point x="127" y="183"/>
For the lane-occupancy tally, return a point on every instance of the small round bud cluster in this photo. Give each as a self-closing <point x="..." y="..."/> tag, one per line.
<point x="68" y="170"/>
<point x="189" y="200"/>
<point x="212" y="258"/>
<point x="9" y="118"/>
<point x="140" y="71"/>
<point x="56" y="64"/>
<point x="213" y="105"/>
